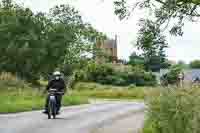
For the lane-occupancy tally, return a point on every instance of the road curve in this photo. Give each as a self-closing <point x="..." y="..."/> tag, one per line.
<point x="98" y="117"/>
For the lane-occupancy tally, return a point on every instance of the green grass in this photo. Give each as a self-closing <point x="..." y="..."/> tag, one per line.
<point x="17" y="104"/>
<point x="95" y="90"/>
<point x="74" y="100"/>
<point x="12" y="101"/>
<point x="173" y="110"/>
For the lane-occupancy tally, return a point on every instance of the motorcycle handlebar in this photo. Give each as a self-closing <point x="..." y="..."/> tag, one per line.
<point x="62" y="93"/>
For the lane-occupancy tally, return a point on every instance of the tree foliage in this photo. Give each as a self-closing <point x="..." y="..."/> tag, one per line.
<point x="151" y="41"/>
<point x="107" y="74"/>
<point x="136" y="60"/>
<point x="195" y="64"/>
<point x="164" y="10"/>
<point x="32" y="45"/>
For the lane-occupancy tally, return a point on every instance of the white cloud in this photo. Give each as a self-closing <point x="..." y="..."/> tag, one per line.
<point x="187" y="47"/>
<point x="101" y="15"/>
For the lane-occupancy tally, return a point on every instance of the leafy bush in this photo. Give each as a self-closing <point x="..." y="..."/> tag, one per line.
<point x="141" y="78"/>
<point x="96" y="72"/>
<point x="132" y="86"/>
<point x="108" y="74"/>
<point x="173" y="110"/>
<point x="172" y="76"/>
<point x="195" y="64"/>
<point x="120" y="81"/>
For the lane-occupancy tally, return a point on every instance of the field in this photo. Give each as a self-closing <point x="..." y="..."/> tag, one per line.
<point x="18" y="99"/>
<point x="19" y="96"/>
<point x="94" y="90"/>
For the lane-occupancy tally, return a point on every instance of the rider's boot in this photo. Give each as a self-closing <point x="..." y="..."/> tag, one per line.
<point x="58" y="112"/>
<point x="45" y="111"/>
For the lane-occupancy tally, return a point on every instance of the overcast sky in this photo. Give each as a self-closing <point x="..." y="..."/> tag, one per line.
<point x="100" y="15"/>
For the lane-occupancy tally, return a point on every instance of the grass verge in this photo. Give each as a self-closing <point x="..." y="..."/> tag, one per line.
<point x="95" y="90"/>
<point x="29" y="100"/>
<point x="14" y="99"/>
<point x="173" y="110"/>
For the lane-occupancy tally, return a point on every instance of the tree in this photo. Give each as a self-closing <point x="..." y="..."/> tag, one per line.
<point x="136" y="60"/>
<point x="152" y="43"/>
<point x="71" y="23"/>
<point x="164" y="11"/>
<point x="32" y="45"/>
<point x="21" y="41"/>
<point x="82" y="34"/>
<point x="195" y="64"/>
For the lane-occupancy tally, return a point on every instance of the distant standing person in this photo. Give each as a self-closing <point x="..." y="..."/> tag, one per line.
<point x="181" y="78"/>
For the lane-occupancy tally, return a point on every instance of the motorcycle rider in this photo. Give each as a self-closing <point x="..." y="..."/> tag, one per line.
<point x="57" y="82"/>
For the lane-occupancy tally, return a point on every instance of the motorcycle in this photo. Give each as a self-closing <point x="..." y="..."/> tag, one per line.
<point x="52" y="104"/>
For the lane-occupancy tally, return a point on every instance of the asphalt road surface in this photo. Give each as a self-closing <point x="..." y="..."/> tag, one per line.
<point x="98" y="117"/>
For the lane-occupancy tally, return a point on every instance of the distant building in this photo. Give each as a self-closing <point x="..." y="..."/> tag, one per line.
<point x="191" y="74"/>
<point x="109" y="47"/>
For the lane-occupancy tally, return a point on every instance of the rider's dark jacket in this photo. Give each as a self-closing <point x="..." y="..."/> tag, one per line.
<point x="56" y="84"/>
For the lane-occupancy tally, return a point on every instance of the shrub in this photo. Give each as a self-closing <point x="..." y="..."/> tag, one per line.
<point x="9" y="80"/>
<point x="95" y="72"/>
<point x="195" y="64"/>
<point x="110" y="75"/>
<point x="79" y="75"/>
<point x="113" y="80"/>
<point x="172" y="76"/>
<point x="140" y="78"/>
<point x="120" y="82"/>
<point x="173" y="110"/>
<point x="132" y="86"/>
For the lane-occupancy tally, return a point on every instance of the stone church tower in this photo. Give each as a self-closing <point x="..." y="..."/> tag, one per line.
<point x="109" y="47"/>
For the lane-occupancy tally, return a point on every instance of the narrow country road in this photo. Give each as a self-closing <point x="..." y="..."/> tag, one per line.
<point x="98" y="117"/>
